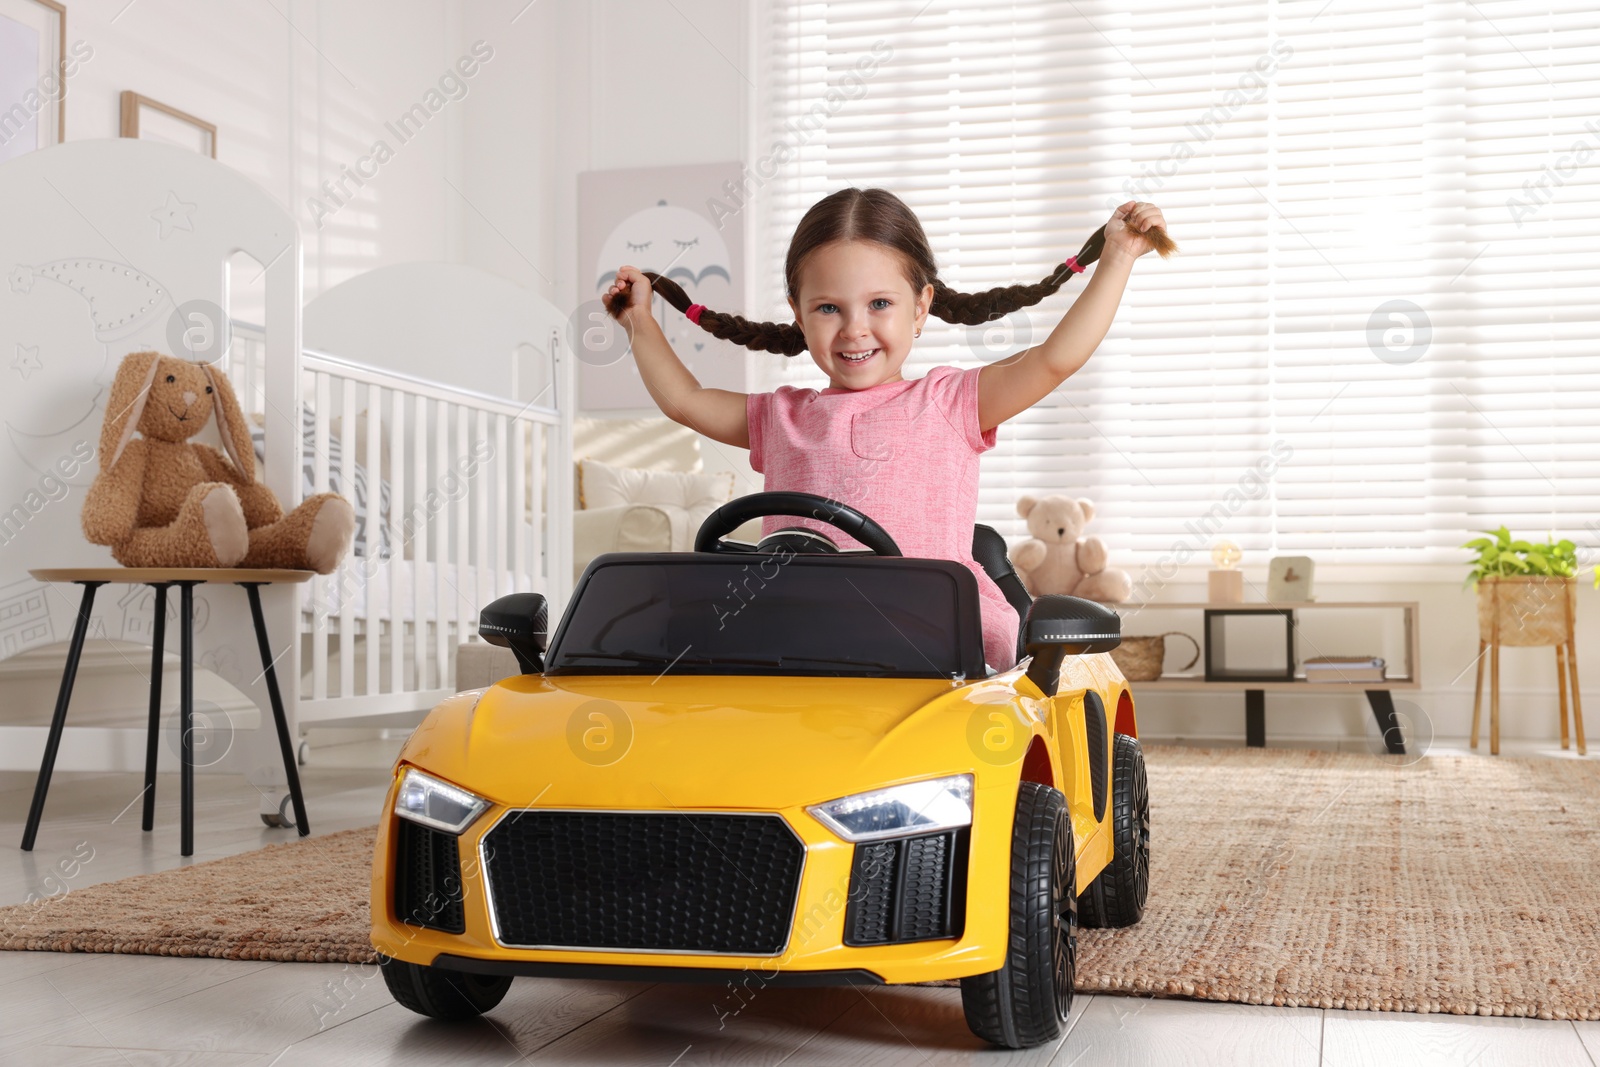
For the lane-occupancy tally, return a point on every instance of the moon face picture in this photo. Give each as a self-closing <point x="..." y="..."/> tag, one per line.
<point x="657" y="219"/>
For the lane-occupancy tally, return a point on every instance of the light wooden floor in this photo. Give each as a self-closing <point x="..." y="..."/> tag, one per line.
<point x="68" y="1009"/>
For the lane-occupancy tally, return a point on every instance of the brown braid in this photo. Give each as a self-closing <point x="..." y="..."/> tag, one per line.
<point x="782" y="338"/>
<point x="974" y="309"/>
<point x="879" y="216"/>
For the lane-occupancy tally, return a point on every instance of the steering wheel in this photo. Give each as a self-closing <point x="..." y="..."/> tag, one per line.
<point x="843" y="517"/>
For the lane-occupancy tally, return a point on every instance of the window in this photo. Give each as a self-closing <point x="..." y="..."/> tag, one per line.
<point x="1383" y="328"/>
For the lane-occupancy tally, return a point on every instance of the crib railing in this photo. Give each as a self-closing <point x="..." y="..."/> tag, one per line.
<point x="460" y="497"/>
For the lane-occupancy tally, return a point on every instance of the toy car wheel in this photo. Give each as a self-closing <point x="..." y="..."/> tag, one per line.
<point x="1026" y="1002"/>
<point x="1116" y="897"/>
<point x="440" y="994"/>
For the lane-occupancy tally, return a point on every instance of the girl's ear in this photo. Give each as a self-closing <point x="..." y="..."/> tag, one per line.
<point x="231" y="423"/>
<point x="129" y="391"/>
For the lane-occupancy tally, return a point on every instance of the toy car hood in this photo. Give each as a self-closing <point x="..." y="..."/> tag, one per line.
<point x="641" y="742"/>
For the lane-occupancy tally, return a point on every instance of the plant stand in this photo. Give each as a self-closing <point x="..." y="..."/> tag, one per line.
<point x="1522" y="613"/>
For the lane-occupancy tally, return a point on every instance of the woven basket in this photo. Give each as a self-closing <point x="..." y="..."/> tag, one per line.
<point x="1532" y="610"/>
<point x="1140" y="658"/>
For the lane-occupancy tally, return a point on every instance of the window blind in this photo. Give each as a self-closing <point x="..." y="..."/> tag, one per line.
<point x="1381" y="331"/>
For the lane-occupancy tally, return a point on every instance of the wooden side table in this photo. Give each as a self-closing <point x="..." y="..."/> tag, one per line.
<point x="160" y="579"/>
<point x="1380" y="695"/>
<point x="1520" y="613"/>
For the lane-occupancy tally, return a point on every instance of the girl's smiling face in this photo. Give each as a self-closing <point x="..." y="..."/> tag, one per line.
<point x="858" y="312"/>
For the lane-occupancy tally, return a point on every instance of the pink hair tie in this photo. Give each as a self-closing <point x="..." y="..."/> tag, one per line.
<point x="692" y="313"/>
<point x="1073" y="265"/>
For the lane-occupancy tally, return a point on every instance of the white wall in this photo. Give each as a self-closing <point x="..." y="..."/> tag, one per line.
<point x="297" y="89"/>
<point x="594" y="86"/>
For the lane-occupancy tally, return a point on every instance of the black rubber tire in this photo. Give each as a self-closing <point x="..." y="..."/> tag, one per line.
<point x="1116" y="897"/>
<point x="453" y="996"/>
<point x="1026" y="1002"/>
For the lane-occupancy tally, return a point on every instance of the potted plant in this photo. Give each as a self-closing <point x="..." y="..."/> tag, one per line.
<point x="1524" y="588"/>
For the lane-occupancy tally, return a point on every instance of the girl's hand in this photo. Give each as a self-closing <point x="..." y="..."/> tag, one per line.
<point x="1125" y="233"/>
<point x="635" y="287"/>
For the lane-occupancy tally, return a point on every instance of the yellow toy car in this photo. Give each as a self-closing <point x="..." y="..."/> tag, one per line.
<point x="771" y="765"/>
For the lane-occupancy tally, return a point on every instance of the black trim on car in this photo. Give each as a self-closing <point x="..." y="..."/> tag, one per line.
<point x="627" y="972"/>
<point x="1094" y="733"/>
<point x="908" y="889"/>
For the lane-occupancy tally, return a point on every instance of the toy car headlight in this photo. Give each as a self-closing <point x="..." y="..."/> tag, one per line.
<point x="900" y="810"/>
<point x="426" y="800"/>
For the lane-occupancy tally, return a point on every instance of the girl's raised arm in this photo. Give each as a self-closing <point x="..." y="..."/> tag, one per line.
<point x="1014" y="385"/>
<point x="717" y="413"/>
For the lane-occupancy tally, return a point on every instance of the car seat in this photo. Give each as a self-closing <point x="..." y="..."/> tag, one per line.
<point x="989" y="549"/>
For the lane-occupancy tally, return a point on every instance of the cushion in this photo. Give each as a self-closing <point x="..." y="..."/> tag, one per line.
<point x="358" y="495"/>
<point x="601" y="485"/>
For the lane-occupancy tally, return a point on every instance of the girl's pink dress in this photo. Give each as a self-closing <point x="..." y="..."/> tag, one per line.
<point x="904" y="453"/>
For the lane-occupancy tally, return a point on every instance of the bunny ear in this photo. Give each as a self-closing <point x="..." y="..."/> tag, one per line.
<point x="231" y="424"/>
<point x="128" y="393"/>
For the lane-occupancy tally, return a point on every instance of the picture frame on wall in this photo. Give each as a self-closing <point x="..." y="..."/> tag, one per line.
<point x="150" y="120"/>
<point x="33" y="60"/>
<point x="677" y="221"/>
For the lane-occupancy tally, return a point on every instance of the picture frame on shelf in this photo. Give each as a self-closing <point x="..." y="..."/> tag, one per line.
<point x="1289" y="580"/>
<point x="1249" y="644"/>
<point x="150" y="120"/>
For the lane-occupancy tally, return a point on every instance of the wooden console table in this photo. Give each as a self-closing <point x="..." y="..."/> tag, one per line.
<point x="1255" y="692"/>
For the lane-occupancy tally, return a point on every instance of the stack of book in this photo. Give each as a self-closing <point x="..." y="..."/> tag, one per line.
<point x="1345" y="669"/>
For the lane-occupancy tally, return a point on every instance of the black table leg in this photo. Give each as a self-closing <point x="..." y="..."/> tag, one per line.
<point x="80" y="630"/>
<point x="290" y="770"/>
<point x="1382" y="702"/>
<point x="152" y="743"/>
<point x="1255" y="718"/>
<point x="186" y="712"/>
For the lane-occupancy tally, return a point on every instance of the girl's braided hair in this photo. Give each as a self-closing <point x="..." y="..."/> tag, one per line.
<point x="879" y="216"/>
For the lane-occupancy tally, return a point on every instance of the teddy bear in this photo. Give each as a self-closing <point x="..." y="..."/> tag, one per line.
<point x="1057" y="560"/>
<point x="161" y="501"/>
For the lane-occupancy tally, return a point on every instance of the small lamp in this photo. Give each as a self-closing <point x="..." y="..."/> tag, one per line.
<point x="1226" y="582"/>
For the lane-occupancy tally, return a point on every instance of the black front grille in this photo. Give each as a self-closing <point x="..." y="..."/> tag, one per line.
<point x="427" y="878"/>
<point x="676" y="882"/>
<point x="910" y="889"/>
<point x="1094" y="732"/>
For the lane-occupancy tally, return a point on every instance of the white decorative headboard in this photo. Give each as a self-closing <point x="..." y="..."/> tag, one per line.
<point x="109" y="247"/>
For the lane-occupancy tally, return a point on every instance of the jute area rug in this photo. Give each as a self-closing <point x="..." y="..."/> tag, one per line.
<point x="1466" y="885"/>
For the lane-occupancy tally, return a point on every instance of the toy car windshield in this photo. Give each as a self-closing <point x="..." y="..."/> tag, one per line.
<point x="809" y="615"/>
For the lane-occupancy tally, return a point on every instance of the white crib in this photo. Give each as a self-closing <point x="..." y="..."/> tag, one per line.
<point x="121" y="244"/>
<point x="472" y="498"/>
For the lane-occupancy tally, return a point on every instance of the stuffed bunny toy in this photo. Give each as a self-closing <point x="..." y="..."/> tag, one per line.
<point x="160" y="501"/>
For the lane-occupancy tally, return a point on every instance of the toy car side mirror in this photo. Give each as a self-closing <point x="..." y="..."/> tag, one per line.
<point x="1060" y="626"/>
<point x="518" y="621"/>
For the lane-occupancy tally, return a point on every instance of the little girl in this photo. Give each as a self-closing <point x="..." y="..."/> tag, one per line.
<point x="861" y="281"/>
